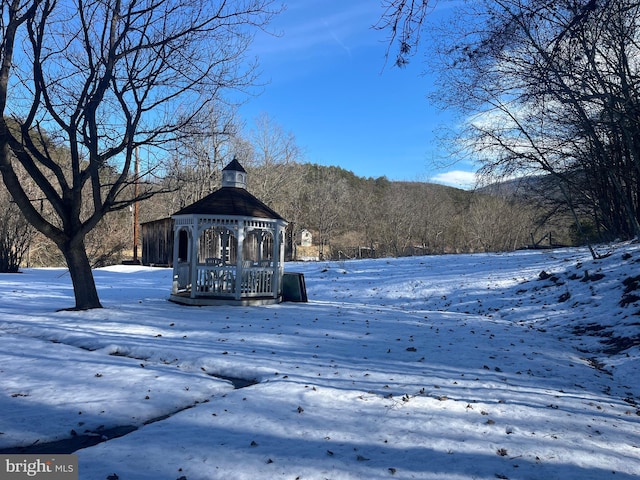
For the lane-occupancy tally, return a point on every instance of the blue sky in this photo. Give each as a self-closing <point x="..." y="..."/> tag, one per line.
<point x="328" y="84"/>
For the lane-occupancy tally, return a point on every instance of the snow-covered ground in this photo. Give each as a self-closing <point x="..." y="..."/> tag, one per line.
<point x="509" y="366"/>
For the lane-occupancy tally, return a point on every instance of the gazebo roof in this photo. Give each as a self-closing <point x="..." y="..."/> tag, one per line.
<point x="230" y="201"/>
<point x="235" y="166"/>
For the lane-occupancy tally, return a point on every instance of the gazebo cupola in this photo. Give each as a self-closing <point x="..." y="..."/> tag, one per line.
<point x="233" y="175"/>
<point x="228" y="247"/>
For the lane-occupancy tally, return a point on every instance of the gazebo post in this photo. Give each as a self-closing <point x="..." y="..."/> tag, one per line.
<point x="224" y="245"/>
<point x="193" y="260"/>
<point x="260" y="238"/>
<point x="239" y="259"/>
<point x="275" y="254"/>
<point x="280" y="256"/>
<point x="180" y="280"/>
<point x="176" y="267"/>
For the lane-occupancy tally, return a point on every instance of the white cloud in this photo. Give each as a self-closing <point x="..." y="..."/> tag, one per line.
<point x="456" y="178"/>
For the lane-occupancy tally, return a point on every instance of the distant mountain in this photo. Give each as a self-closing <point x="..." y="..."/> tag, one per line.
<point x="534" y="187"/>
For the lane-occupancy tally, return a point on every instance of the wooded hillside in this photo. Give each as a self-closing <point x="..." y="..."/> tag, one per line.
<point x="348" y="216"/>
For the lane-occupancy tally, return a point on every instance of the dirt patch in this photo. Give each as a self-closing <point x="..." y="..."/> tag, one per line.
<point x="236" y="381"/>
<point x="595" y="363"/>
<point x="631" y="284"/>
<point x="612" y="345"/>
<point x="617" y="345"/>
<point x="591" y="329"/>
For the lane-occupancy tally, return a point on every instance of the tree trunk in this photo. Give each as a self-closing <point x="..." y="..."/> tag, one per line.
<point x="84" y="285"/>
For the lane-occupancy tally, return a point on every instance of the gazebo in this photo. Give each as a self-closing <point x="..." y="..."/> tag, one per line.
<point x="228" y="247"/>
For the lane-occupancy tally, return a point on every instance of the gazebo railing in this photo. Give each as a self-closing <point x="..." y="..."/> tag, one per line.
<point x="257" y="281"/>
<point x="181" y="278"/>
<point x="218" y="280"/>
<point x="221" y="280"/>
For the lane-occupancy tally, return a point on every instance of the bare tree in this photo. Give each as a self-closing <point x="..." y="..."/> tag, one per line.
<point x="497" y="223"/>
<point x="274" y="151"/>
<point x="547" y="87"/>
<point x="435" y="215"/>
<point x="15" y="235"/>
<point x="102" y="78"/>
<point x="397" y="218"/>
<point x="403" y="21"/>
<point x="364" y="217"/>
<point x="563" y="96"/>
<point x="325" y="196"/>
<point x="200" y="155"/>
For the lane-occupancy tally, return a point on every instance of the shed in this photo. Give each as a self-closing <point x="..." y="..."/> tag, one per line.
<point x="228" y="247"/>
<point x="306" y="238"/>
<point x="157" y="243"/>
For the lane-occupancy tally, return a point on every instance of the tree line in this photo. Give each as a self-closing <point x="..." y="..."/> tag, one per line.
<point x="349" y="216"/>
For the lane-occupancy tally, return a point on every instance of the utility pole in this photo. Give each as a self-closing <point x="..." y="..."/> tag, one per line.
<point x="135" y="208"/>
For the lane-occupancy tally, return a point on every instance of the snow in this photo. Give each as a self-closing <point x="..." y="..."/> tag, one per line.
<point x="437" y="367"/>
